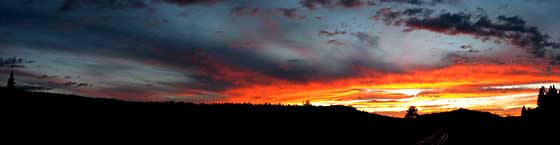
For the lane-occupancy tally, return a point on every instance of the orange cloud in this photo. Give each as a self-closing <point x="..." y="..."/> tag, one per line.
<point x="434" y="90"/>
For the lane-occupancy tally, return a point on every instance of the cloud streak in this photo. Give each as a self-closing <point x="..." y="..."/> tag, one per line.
<point x="14" y="62"/>
<point x="513" y="29"/>
<point x="314" y="4"/>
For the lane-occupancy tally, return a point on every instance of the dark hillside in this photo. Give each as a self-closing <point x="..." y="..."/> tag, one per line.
<point x="47" y="110"/>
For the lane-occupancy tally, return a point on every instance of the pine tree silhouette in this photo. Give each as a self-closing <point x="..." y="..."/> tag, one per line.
<point x="412" y="112"/>
<point x="541" y="97"/>
<point x="523" y="112"/>
<point x="11" y="81"/>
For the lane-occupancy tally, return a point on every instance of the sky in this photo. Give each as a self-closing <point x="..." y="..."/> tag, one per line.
<point x="379" y="56"/>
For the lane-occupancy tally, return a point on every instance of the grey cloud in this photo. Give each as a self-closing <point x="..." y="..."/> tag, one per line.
<point x="313" y="4"/>
<point x="291" y="13"/>
<point x="424" y="2"/>
<point x="244" y="11"/>
<point x="76" y="84"/>
<point x="330" y="34"/>
<point x="14" y="62"/>
<point x="371" y="41"/>
<point x="69" y="5"/>
<point x="33" y="87"/>
<point x="512" y="28"/>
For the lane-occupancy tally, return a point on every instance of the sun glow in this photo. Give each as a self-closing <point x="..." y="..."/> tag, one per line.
<point x="501" y="89"/>
<point x="408" y="92"/>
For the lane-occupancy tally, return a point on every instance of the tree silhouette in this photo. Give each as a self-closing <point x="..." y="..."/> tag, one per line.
<point x="11" y="81"/>
<point x="541" y="96"/>
<point x="412" y="112"/>
<point x="307" y="103"/>
<point x="523" y="112"/>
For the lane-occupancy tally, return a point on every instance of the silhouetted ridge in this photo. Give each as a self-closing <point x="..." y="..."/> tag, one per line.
<point x="49" y="101"/>
<point x="460" y="126"/>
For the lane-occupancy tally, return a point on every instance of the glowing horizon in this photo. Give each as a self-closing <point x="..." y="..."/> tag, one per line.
<point x="500" y="92"/>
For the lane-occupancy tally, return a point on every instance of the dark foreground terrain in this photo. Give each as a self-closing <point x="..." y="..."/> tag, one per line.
<point x="31" y="113"/>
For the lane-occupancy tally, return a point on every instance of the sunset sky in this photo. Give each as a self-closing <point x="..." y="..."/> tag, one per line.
<point x="379" y="56"/>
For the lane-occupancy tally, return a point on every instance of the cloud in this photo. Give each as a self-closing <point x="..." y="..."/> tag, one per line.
<point x="351" y="3"/>
<point x="69" y="5"/>
<point x="33" y="87"/>
<point x="244" y="11"/>
<point x="330" y="34"/>
<point x="466" y="46"/>
<point x="418" y="11"/>
<point x="424" y="2"/>
<point x="414" y="2"/>
<point x="192" y="2"/>
<point x="314" y="4"/>
<point x="76" y="84"/>
<point x="291" y="13"/>
<point x="370" y="41"/>
<point x="335" y="42"/>
<point x="14" y="62"/>
<point x="388" y="16"/>
<point x="556" y="60"/>
<point x="513" y="29"/>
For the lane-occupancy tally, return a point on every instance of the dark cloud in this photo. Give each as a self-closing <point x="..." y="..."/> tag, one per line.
<point x="32" y="81"/>
<point x="466" y="46"/>
<point x="367" y="39"/>
<point x="244" y="11"/>
<point x="313" y="4"/>
<point x="14" y="62"/>
<point x="413" y="11"/>
<point x="191" y="2"/>
<point x="76" y="84"/>
<point x="418" y="11"/>
<point x="455" y="58"/>
<point x="215" y="67"/>
<point x="33" y="87"/>
<point x="513" y="29"/>
<point x="330" y="34"/>
<point x="423" y="2"/>
<point x="388" y="16"/>
<point x="69" y="5"/>
<point x="335" y="42"/>
<point x="556" y="60"/>
<point x="108" y="38"/>
<point x="371" y="3"/>
<point x="414" y="2"/>
<point x="351" y="3"/>
<point x="291" y="13"/>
